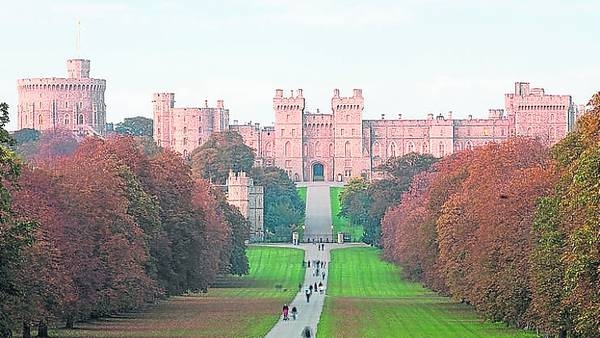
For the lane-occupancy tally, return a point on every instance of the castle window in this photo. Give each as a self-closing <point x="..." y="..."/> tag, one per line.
<point x="442" y="149"/>
<point x="293" y="132"/>
<point x="330" y="149"/>
<point x="376" y="149"/>
<point x="40" y="120"/>
<point x="410" y="147"/>
<point x="80" y="119"/>
<point x="287" y="118"/>
<point x="353" y="131"/>
<point x="282" y="131"/>
<point x="199" y="141"/>
<point x="347" y="118"/>
<point x="469" y="145"/>
<point x="287" y="148"/>
<point x="552" y="118"/>
<point x="342" y="131"/>
<point x="67" y="120"/>
<point x="317" y="149"/>
<point x="199" y="130"/>
<point x="393" y="149"/>
<point x="185" y="141"/>
<point x="347" y="149"/>
<point x="159" y="143"/>
<point x="158" y="131"/>
<point x="199" y="118"/>
<point x="425" y="148"/>
<point x="184" y="129"/>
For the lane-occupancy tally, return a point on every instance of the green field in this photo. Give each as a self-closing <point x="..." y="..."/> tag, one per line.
<point x="302" y="193"/>
<point x="368" y="298"/>
<point x="245" y="306"/>
<point x="342" y="224"/>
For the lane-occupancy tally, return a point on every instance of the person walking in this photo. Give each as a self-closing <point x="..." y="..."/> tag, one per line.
<point x="285" y="311"/>
<point x="311" y="288"/>
<point x="294" y="312"/>
<point x="316" y="287"/>
<point x="299" y="287"/>
<point x="307" y="292"/>
<point x="323" y="275"/>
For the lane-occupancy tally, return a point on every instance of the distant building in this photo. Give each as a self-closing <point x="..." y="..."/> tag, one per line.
<point x="248" y="198"/>
<point x="74" y="103"/>
<point x="184" y="129"/>
<point x="312" y="146"/>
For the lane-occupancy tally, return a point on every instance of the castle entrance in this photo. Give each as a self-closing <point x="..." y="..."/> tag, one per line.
<point x="318" y="173"/>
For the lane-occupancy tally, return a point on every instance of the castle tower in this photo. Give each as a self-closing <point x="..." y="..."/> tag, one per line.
<point x="162" y="103"/>
<point x="349" y="159"/>
<point x="289" y="117"/>
<point x="75" y="103"/>
<point x="248" y="198"/>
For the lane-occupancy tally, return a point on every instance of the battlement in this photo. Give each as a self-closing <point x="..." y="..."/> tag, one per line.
<point x="239" y="178"/>
<point x="293" y="102"/>
<point x="348" y="103"/>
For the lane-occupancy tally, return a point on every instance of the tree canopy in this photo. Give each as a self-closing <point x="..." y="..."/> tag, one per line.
<point x="221" y="153"/>
<point x="135" y="126"/>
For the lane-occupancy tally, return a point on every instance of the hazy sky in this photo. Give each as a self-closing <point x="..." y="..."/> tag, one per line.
<point x="410" y="57"/>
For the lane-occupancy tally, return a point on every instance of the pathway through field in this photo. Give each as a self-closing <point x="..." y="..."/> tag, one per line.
<point x="309" y="313"/>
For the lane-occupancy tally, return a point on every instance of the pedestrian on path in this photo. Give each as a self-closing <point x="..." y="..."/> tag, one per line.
<point x="307" y="292"/>
<point x="299" y="287"/>
<point x="323" y="275"/>
<point x="311" y="288"/>
<point x="285" y="311"/>
<point x="307" y="332"/>
<point x="294" y="312"/>
<point x="315" y="287"/>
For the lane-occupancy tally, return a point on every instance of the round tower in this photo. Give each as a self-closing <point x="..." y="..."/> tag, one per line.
<point x="75" y="103"/>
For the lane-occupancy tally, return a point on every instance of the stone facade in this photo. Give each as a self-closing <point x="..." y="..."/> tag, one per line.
<point x="248" y="198"/>
<point x="74" y="103"/>
<point x="184" y="129"/>
<point x="339" y="145"/>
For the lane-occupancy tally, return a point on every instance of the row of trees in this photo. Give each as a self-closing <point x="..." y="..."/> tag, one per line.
<point x="225" y="151"/>
<point x="113" y="225"/>
<point x="510" y="228"/>
<point x="365" y="203"/>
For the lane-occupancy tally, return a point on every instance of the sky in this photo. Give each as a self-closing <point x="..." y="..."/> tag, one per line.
<point x="409" y="56"/>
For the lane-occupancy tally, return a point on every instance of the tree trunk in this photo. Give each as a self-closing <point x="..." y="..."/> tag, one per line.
<point x="562" y="333"/>
<point x="26" y="329"/>
<point x="42" y="329"/>
<point x="69" y="323"/>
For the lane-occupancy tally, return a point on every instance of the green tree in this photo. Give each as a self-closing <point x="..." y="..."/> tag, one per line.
<point x="221" y="153"/>
<point x="283" y="208"/>
<point x="366" y="204"/>
<point x="135" y="126"/>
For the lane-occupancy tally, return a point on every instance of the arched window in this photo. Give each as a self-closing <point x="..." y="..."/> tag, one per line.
<point x="392" y="149"/>
<point x="442" y="149"/>
<point x="268" y="149"/>
<point x="347" y="149"/>
<point x="330" y="149"/>
<point x="199" y="130"/>
<point x="410" y="147"/>
<point x="185" y="153"/>
<point x="376" y="149"/>
<point x="185" y="141"/>
<point x="528" y="131"/>
<point x="551" y="133"/>
<point x="40" y="120"/>
<point x="306" y="149"/>
<point x="318" y="149"/>
<point x="552" y="118"/>
<point x="469" y="145"/>
<point x="80" y="119"/>
<point x="287" y="149"/>
<point x="425" y="148"/>
<point x="67" y="120"/>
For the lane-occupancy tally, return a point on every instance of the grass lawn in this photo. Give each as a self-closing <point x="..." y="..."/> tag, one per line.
<point x="246" y="306"/>
<point x="342" y="224"/>
<point x="302" y="193"/>
<point x="368" y="298"/>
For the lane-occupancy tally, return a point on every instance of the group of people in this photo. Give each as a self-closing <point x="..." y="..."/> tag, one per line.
<point x="286" y="311"/>
<point x="321" y="246"/>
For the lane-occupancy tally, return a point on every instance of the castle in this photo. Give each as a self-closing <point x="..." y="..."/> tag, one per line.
<point x="339" y="145"/>
<point x="75" y="103"/>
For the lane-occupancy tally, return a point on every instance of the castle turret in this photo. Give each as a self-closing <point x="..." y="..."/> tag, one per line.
<point x="78" y="69"/>
<point x="348" y="135"/>
<point x="289" y="117"/>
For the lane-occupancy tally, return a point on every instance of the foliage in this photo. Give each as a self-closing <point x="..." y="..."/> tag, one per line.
<point x="135" y="126"/>
<point x="25" y="135"/>
<point x="283" y="207"/>
<point x="365" y="203"/>
<point x="221" y="153"/>
<point x="117" y="226"/>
